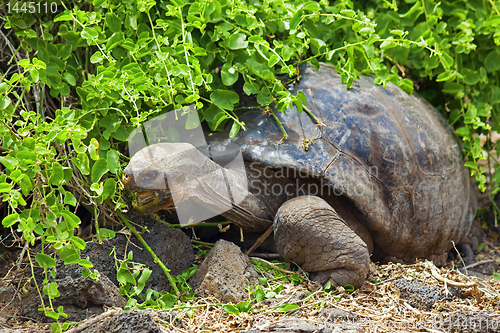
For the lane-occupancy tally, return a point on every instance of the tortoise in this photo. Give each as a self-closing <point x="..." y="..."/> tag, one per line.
<point x="383" y="176"/>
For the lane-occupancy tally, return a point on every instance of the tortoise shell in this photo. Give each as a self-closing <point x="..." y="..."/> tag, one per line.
<point x="392" y="158"/>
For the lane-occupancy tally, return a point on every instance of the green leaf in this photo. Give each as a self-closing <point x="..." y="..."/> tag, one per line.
<point x="93" y="147"/>
<point x="106" y="233"/>
<point x="78" y="242"/>
<point x="65" y="51"/>
<point x="89" y="33"/>
<point x="397" y="32"/>
<point x="312" y="6"/>
<point x="372" y="39"/>
<point x="70" y="218"/>
<point x="99" y="169"/>
<point x="26" y="185"/>
<point x="495" y="94"/>
<point x="34" y="75"/>
<point x="5" y="187"/>
<point x="462" y="131"/>
<point x="9" y="162"/>
<point x="494" y="20"/>
<point x="471" y="165"/>
<point x="225" y="99"/>
<point x="69" y="254"/>
<point x="192" y="121"/>
<point x="114" y="41"/>
<point x="146" y="273"/>
<point x="96" y="57"/>
<point x="64" y="16"/>
<point x="231" y="309"/>
<point x="234" y="130"/>
<point x="244" y="306"/>
<point x="68" y="174"/>
<point x="111" y="123"/>
<point x="388" y="43"/>
<point x="491" y="62"/>
<point x="82" y="163"/>
<point x="113" y="159"/>
<point x="114" y="23"/>
<point x="453" y="88"/>
<point x="168" y="300"/>
<point x="237" y="41"/>
<point x="296" y="19"/>
<point x="228" y="74"/>
<point x="219" y="120"/>
<point x="57" y="177"/>
<point x="4" y="102"/>
<point x="85" y="263"/>
<point x="99" y="3"/>
<point x="45" y="261"/>
<point x="124" y="276"/>
<point x="301" y="101"/>
<point x="10" y="220"/>
<point x="447" y="60"/>
<point x="260" y="295"/>
<point x="109" y="188"/>
<point x="446" y="76"/>
<point x="26" y="156"/>
<point x="454" y="116"/>
<point x="273" y="60"/>
<point x="348" y="287"/>
<point x="406" y="85"/>
<point x="250" y="88"/>
<point x="288" y="307"/>
<point x="70" y="78"/>
<point x="54" y="315"/>
<point x="471" y="78"/>
<point x="348" y="12"/>
<point x="256" y="67"/>
<point x="441" y="26"/>
<point x="264" y="97"/>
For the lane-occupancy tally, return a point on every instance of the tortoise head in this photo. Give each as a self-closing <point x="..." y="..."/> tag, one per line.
<point x="159" y="173"/>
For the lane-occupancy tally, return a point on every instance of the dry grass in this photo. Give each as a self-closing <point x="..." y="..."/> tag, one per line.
<point x="376" y="307"/>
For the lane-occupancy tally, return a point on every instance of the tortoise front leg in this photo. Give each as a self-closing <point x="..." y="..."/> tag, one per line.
<point x="309" y="232"/>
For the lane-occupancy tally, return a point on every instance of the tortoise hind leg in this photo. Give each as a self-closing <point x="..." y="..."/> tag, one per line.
<point x="309" y="232"/>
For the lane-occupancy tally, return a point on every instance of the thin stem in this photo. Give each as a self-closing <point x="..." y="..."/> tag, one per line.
<point x="185" y="51"/>
<point x="280" y="124"/>
<point x="202" y="243"/>
<point x="162" y="59"/>
<point x="157" y="260"/>
<point x="494" y="7"/>
<point x="309" y="112"/>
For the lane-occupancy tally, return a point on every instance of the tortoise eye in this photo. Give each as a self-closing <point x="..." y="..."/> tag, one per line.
<point x="149" y="176"/>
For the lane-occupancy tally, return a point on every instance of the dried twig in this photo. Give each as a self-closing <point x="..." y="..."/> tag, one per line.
<point x="437" y="276"/>
<point x="260" y="240"/>
<point x="92" y="320"/>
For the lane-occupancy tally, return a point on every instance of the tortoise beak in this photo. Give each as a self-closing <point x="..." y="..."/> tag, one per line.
<point x="128" y="181"/>
<point x="147" y="201"/>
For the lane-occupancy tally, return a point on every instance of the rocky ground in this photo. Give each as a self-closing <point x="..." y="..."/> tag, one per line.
<point x="459" y="297"/>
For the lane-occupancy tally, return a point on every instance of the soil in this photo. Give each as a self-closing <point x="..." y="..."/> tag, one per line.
<point x="395" y="297"/>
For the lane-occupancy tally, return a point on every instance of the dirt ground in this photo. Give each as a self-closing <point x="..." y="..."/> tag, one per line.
<point x="402" y="298"/>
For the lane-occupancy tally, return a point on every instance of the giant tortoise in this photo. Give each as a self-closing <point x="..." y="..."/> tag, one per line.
<point x="381" y="175"/>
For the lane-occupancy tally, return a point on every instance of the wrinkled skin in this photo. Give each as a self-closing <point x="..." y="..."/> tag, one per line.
<point x="387" y="164"/>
